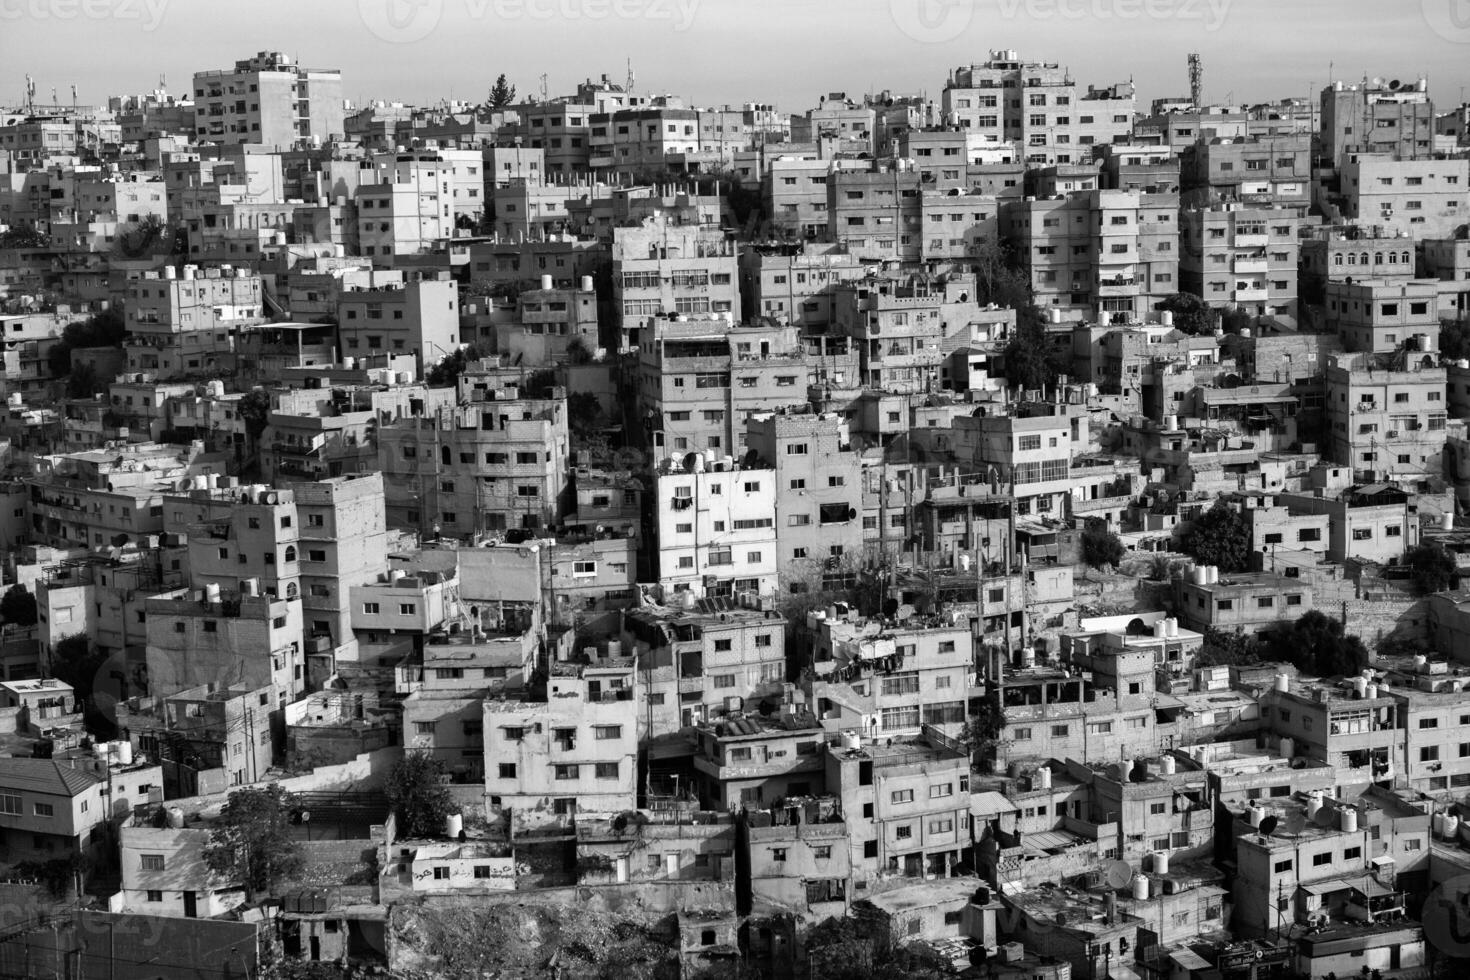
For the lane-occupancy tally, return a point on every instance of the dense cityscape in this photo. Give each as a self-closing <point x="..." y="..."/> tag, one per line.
<point x="1008" y="531"/>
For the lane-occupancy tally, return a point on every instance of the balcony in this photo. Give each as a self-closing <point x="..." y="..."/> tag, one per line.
<point x="1250" y="264"/>
<point x="1252" y="294"/>
<point x="1250" y="240"/>
<point x="1117" y="286"/>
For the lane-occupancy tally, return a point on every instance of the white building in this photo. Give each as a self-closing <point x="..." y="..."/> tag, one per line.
<point x="716" y="527"/>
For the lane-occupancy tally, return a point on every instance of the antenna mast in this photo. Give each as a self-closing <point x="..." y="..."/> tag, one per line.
<point x="1196" y="80"/>
<point x="629" y="86"/>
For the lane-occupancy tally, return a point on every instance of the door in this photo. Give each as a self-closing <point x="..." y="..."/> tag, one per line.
<point x="191" y="907"/>
<point x="316" y="947"/>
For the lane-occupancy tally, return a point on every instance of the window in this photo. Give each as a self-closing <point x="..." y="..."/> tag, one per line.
<point x="154" y="895"/>
<point x="565" y="771"/>
<point x="901" y="796"/>
<point x="903" y="833"/>
<point x="1321" y="860"/>
<point x="44" y="810"/>
<point x="943" y="825"/>
<point x="151" y="862"/>
<point x="606" y="770"/>
<point x="607" y="733"/>
<point x="940" y="790"/>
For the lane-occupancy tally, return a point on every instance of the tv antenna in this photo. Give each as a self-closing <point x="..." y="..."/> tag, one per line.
<point x="1196" y="80"/>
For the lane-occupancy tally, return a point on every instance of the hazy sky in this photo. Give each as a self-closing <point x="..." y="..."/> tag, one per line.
<point x="729" y="51"/>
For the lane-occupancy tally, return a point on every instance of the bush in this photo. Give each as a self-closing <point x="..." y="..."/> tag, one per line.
<point x="1100" y="547"/>
<point x="1221" y="536"/>
<point x="1433" y="567"/>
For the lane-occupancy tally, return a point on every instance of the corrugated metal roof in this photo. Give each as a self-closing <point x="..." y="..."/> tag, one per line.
<point x="989" y="801"/>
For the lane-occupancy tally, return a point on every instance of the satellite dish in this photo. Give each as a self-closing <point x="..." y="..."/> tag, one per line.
<point x="1117" y="874"/>
<point x="1323" y="818"/>
<point x="903" y="612"/>
<point x="1268" y="826"/>
<point x="1295" y="822"/>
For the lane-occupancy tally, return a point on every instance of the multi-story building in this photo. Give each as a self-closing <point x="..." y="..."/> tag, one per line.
<point x="1037" y="108"/>
<point x="419" y="318"/>
<point x="702" y="663"/>
<point x="799" y="288"/>
<point x="1262" y="171"/>
<point x="914" y="796"/>
<point x="1376" y="523"/>
<point x="268" y="100"/>
<point x="1420" y="198"/>
<point x="663" y="268"/>
<point x="1242" y="602"/>
<point x="890" y="679"/>
<point x="342" y="541"/>
<point x="496" y="461"/>
<point x="205" y="737"/>
<point x="1381" y="316"/>
<point x="900" y="326"/>
<point x="875" y="214"/>
<point x="818" y="489"/>
<point x="701" y="378"/>
<point x="571" y="753"/>
<point x="749" y="760"/>
<point x="1377" y="117"/>
<point x="1235" y="257"/>
<point x="1386" y="414"/>
<point x="1109" y="253"/>
<point x="205" y="636"/>
<point x="51" y="810"/>
<point x="715" y="528"/>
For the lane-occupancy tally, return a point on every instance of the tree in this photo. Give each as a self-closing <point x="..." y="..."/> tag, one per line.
<point x="83" y="382"/>
<point x="1222" y="648"/>
<point x="585" y="417"/>
<point x="1454" y="339"/>
<point x="1317" y="645"/>
<point x="502" y="93"/>
<point x="18" y="606"/>
<point x="1220" y="536"/>
<point x="446" y="373"/>
<point x="1030" y="360"/>
<point x="23" y="238"/>
<point x="251" y="841"/>
<point x="1191" y="314"/>
<point x="1234" y="321"/>
<point x="1100" y="546"/>
<point x="105" y="329"/>
<point x="255" y="411"/>
<point x="419" y="796"/>
<point x="1433" y="565"/>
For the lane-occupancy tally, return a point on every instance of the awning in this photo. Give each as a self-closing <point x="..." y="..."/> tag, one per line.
<point x="1331" y="885"/>
<point x="990" y="803"/>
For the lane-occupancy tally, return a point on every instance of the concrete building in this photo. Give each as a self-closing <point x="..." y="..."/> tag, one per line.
<point x="715" y="529"/>
<point x="1377" y="117"/>
<point x="204" y="636"/>
<point x="1386" y="414"/>
<point x="268" y="100"/>
<point x="913" y="796"/>
<point x="1420" y="198"/>
<point x="1112" y="254"/>
<point x="50" y="810"/>
<point x="1381" y="316"/>
<point x="1241" y="258"/>
<point x="818" y="489"/>
<point x="1037" y="108"/>
<point x="900" y="327"/>
<point x="799" y="289"/>
<point x="661" y="268"/>
<point x="875" y="214"/>
<point x="700" y="664"/>
<point x="1273" y="172"/>
<point x="205" y="738"/>
<point x="1248" y="602"/>
<point x="420" y="318"/>
<point x="749" y="760"/>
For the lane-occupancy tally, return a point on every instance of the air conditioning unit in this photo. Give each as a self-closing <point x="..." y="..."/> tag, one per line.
<point x="1393" y="434"/>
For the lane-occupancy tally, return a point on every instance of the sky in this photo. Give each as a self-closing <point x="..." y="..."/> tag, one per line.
<point x="718" y="52"/>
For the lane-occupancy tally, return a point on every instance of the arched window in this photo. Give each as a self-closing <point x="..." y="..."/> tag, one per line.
<point x="1378" y="258"/>
<point x="290" y="552"/>
<point x="1337" y="259"/>
<point x="1352" y="259"/>
<point x="291" y="590"/>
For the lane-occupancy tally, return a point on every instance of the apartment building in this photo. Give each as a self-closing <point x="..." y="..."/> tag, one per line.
<point x="1448" y="260"/>
<point x="666" y="136"/>
<point x="1338" y="252"/>
<point x="1375" y="523"/>
<point x="715" y="528"/>
<point x="836" y="116"/>
<point x="1112" y="254"/>
<point x="748" y="760"/>
<point x="875" y="214"/>
<point x="204" y="737"/>
<point x="50" y="810"/>
<point x="891" y="679"/>
<point x="1377" y="116"/>
<point x="1247" y="602"/>
<point x="204" y="636"/>
<point x="406" y="215"/>
<point x="267" y="99"/>
<point x="1031" y="451"/>
<point x="818" y="489"/>
<point x="1262" y="171"/>
<point x="1381" y="316"/>
<point x="1386" y="414"/>
<point x="704" y="662"/>
<point x="1037" y="108"/>
<point x="342" y="541"/>
<point x="798" y="288"/>
<point x="914" y="797"/>
<point x="900" y="326"/>
<point x="1238" y="257"/>
<point x="1420" y="198"/>
<point x="205" y="304"/>
<point x="955" y="225"/>
<point x="662" y="268"/>
<point x="567" y="755"/>
<point x="419" y="318"/>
